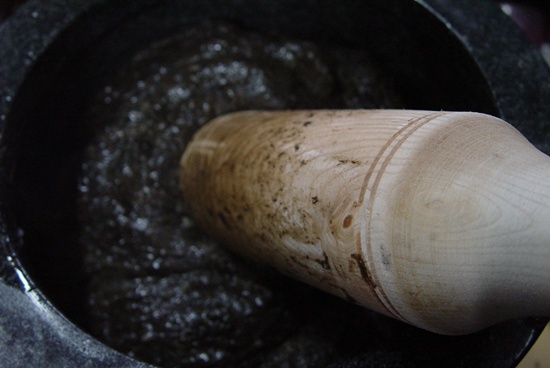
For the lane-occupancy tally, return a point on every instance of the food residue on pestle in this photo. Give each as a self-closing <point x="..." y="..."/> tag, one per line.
<point x="162" y="291"/>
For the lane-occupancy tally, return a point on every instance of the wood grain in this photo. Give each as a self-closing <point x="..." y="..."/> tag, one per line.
<point x="437" y="219"/>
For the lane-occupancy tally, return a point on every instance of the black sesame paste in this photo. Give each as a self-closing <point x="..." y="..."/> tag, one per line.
<point x="162" y="291"/>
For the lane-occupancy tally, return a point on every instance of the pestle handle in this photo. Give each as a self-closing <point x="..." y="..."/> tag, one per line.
<point x="438" y="219"/>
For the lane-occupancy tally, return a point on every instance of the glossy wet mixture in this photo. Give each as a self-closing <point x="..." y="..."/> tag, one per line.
<point x="160" y="289"/>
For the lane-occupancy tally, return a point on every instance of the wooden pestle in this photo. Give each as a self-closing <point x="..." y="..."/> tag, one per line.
<point x="438" y="219"/>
